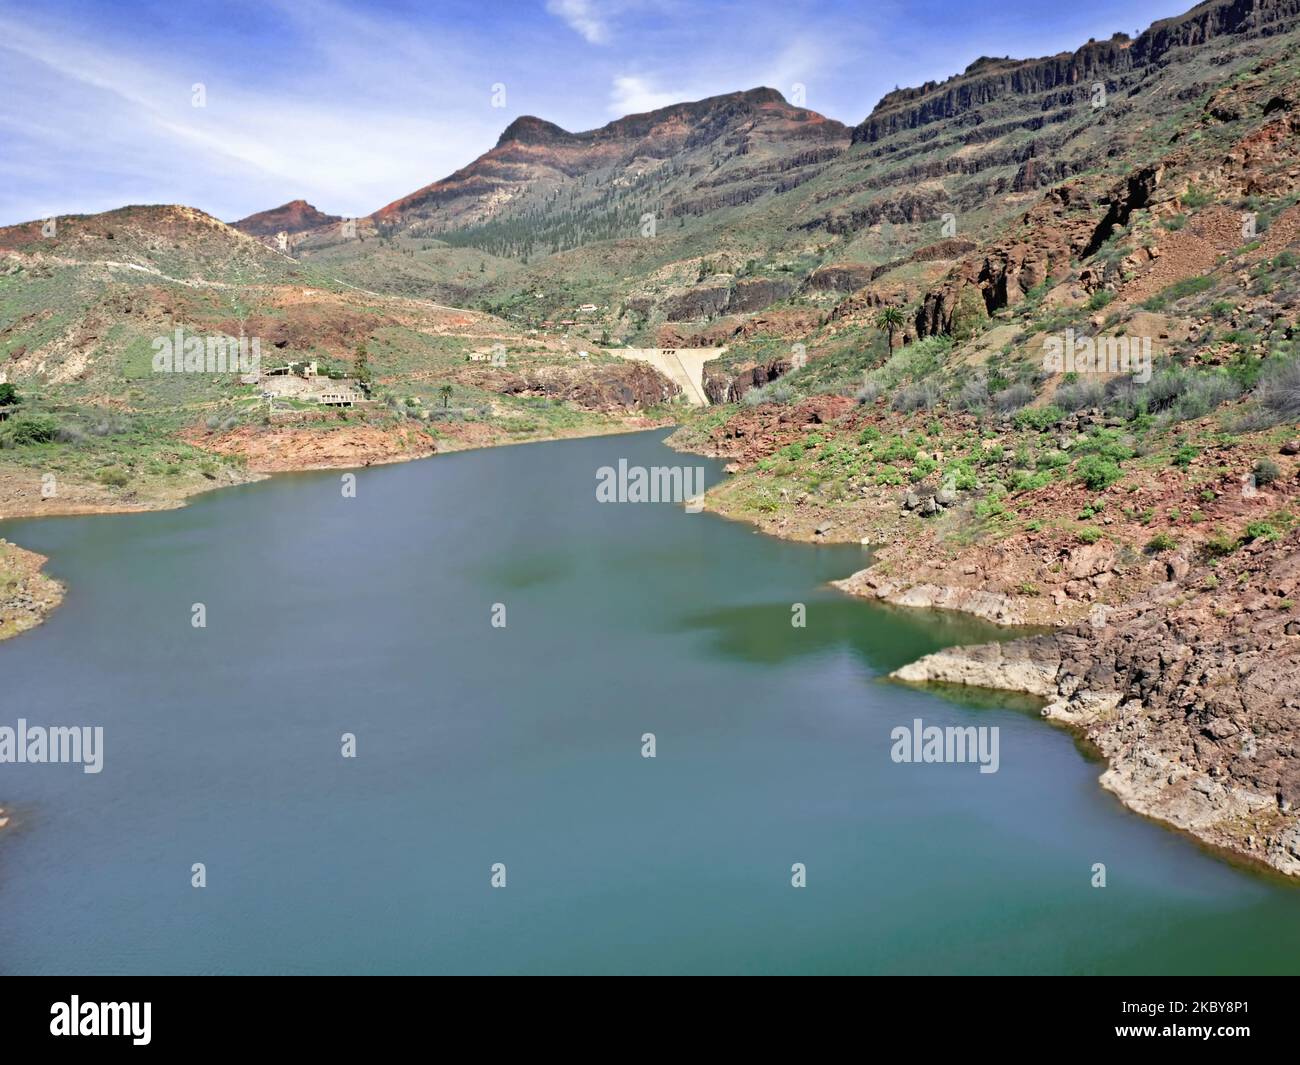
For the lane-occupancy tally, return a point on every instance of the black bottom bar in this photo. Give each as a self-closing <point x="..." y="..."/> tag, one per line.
<point x="338" y="1014"/>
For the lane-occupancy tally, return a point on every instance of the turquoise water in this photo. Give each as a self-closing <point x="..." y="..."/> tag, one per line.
<point x="522" y="745"/>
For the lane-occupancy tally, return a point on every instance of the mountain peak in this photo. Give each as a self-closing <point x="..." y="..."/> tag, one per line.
<point x="296" y="216"/>
<point x="763" y="94"/>
<point x="529" y="129"/>
<point x="533" y="154"/>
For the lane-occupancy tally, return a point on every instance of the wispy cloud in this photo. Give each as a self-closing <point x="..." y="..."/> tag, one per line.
<point x="132" y="118"/>
<point x="584" y="16"/>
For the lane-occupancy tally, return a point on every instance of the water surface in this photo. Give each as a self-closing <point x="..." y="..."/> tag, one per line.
<point x="522" y="745"/>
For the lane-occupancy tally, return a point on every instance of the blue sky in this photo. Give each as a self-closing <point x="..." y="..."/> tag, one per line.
<point x="351" y="105"/>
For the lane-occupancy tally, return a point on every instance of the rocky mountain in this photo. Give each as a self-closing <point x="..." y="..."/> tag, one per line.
<point x="760" y="206"/>
<point x="540" y="169"/>
<point x="163" y="241"/>
<point x="1140" y="190"/>
<point x="296" y="216"/>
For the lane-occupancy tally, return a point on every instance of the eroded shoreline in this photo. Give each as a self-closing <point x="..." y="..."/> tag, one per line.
<point x="1154" y="690"/>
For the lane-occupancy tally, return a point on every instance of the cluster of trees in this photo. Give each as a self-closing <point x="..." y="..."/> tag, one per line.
<point x="567" y="219"/>
<point x="19" y="432"/>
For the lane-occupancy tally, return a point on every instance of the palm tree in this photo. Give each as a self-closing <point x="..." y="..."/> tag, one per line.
<point x="890" y="320"/>
<point x="361" y="366"/>
<point x="445" y="393"/>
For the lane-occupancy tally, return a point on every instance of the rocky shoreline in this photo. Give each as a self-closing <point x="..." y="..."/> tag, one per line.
<point x="27" y="596"/>
<point x="1192" y="699"/>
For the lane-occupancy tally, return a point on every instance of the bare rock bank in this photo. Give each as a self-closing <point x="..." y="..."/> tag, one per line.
<point x="27" y="595"/>
<point x="1193" y="697"/>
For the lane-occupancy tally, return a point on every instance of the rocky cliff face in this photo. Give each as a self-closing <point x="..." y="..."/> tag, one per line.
<point x="623" y="387"/>
<point x="1073" y="220"/>
<point x="988" y="80"/>
<point x="1004" y="129"/>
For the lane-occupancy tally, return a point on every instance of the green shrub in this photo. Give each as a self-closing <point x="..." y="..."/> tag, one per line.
<point x="1262" y="530"/>
<point x="1277" y="396"/>
<point x="897" y="448"/>
<point x="1221" y="544"/>
<point x="921" y="396"/>
<point x="1040" y="419"/>
<point x="113" y="476"/>
<point x="20" y="432"/>
<point x="1108" y="444"/>
<point x="1097" y="472"/>
<point x="960" y="476"/>
<point x="1089" y="534"/>
<point x="1188" y="286"/>
<point x="969" y="314"/>
<point x="1100" y="298"/>
<point x="1013" y="397"/>
<point x="1160" y="542"/>
<point x="1076" y="395"/>
<point x="1196" y="395"/>
<point x="1024" y="481"/>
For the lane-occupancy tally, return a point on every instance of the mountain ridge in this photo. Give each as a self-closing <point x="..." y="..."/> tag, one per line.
<point x="532" y="149"/>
